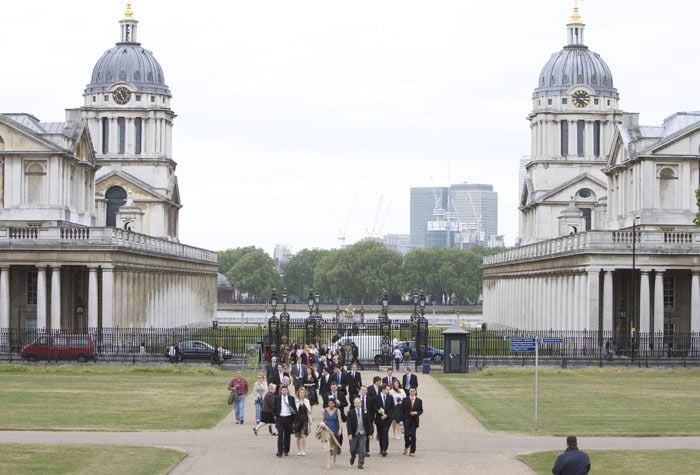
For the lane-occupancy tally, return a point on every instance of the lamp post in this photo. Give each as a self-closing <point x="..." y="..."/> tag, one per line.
<point x="284" y="321"/>
<point x="385" y="331"/>
<point x="273" y="325"/>
<point x="422" y="333"/>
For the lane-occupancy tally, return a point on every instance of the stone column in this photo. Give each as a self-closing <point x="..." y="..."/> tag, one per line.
<point x="92" y="298"/>
<point x="659" y="301"/>
<point x="4" y="297"/>
<point x="55" y="298"/>
<point x="644" y="311"/>
<point x="41" y="298"/>
<point x="607" y="300"/>
<point x="107" y="297"/>
<point x="694" y="303"/>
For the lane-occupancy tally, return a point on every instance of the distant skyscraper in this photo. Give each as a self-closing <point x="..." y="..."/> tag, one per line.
<point x="476" y="208"/>
<point x="397" y="242"/>
<point x="282" y="255"/>
<point x="423" y="201"/>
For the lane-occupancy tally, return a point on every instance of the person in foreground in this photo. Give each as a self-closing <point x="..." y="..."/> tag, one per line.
<point x="359" y="424"/>
<point x="285" y="409"/>
<point x="412" y="409"/>
<point x="572" y="461"/>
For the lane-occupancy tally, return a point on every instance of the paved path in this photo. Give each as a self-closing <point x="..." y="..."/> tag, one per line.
<point x="449" y="440"/>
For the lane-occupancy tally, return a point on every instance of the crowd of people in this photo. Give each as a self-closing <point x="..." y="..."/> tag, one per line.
<point x="305" y="377"/>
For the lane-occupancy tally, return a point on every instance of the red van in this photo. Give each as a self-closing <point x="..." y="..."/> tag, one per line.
<point x="61" y="347"/>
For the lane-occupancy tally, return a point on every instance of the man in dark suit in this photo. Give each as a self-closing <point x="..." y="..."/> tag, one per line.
<point x="383" y="418"/>
<point x="412" y="409"/>
<point x="374" y="389"/>
<point x="389" y="378"/>
<point x="358" y="422"/>
<point x="409" y="380"/>
<point x="324" y="381"/>
<point x="278" y="377"/>
<point x="369" y="406"/>
<point x="285" y="409"/>
<point x="271" y="370"/>
<point x="340" y="400"/>
<point x="339" y="378"/>
<point x="354" y="381"/>
<point x="298" y="371"/>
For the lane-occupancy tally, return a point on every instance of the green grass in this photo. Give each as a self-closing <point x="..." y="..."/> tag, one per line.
<point x="105" y="460"/>
<point x="105" y="398"/>
<point x="624" y="462"/>
<point x="603" y="402"/>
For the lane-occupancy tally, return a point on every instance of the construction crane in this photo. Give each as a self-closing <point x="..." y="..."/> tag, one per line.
<point x="343" y="233"/>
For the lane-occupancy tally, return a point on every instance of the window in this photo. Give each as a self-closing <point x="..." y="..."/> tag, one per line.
<point x="138" y="128"/>
<point x="153" y="98"/>
<point x="106" y="98"/>
<point x="668" y="184"/>
<point x="94" y="98"/>
<point x="35" y="181"/>
<point x="580" y="137"/>
<point x="669" y="293"/>
<point x="31" y="288"/>
<point x="121" y="128"/>
<point x="595" y="101"/>
<point x="105" y="135"/>
<point x="563" y="100"/>
<point x="549" y="102"/>
<point x="138" y="97"/>
<point x="608" y="101"/>
<point x="596" y="138"/>
<point x="116" y="197"/>
<point x="564" y="129"/>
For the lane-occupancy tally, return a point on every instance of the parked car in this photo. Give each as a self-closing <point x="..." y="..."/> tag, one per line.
<point x="60" y="347"/>
<point x="436" y="355"/>
<point x="197" y="350"/>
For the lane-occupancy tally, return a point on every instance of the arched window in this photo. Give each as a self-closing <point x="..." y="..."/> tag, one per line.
<point x="116" y="198"/>
<point x="668" y="183"/>
<point x="35" y="180"/>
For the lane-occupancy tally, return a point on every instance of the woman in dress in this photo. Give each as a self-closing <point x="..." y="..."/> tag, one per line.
<point x="259" y="390"/>
<point x="311" y="385"/>
<point x="302" y="420"/>
<point x="331" y="417"/>
<point x="267" y="410"/>
<point x="398" y="394"/>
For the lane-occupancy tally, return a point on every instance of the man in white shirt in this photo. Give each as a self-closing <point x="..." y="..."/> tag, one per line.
<point x="285" y="408"/>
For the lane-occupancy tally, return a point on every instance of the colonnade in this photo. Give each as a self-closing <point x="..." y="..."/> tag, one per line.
<point x="130" y="297"/>
<point x="575" y="300"/>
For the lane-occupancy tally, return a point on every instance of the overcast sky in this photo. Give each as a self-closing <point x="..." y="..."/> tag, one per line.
<point x="298" y="119"/>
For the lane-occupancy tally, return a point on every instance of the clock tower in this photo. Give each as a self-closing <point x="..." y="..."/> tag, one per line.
<point x="574" y="112"/>
<point x="127" y="108"/>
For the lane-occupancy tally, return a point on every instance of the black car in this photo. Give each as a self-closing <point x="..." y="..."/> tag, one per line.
<point x="197" y="350"/>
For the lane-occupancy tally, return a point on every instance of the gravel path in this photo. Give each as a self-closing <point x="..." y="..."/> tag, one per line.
<point x="449" y="440"/>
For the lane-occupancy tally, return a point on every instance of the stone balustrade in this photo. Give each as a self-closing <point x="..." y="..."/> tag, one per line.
<point x="648" y="239"/>
<point x="93" y="238"/>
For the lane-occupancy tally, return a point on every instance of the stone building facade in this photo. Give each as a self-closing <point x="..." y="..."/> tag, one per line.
<point x="607" y="210"/>
<point x="88" y="209"/>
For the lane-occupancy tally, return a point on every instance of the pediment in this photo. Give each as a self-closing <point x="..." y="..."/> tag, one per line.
<point x="18" y="138"/>
<point x="136" y="189"/>
<point x="685" y="144"/>
<point x="571" y="188"/>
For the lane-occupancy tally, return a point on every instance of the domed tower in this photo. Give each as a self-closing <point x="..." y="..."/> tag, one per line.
<point x="127" y="108"/>
<point x="574" y="111"/>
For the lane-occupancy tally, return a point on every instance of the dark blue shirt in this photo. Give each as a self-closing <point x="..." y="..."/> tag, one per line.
<point x="572" y="462"/>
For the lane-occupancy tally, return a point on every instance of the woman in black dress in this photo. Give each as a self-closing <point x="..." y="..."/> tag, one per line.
<point x="311" y="386"/>
<point x="267" y="410"/>
<point x="302" y="420"/>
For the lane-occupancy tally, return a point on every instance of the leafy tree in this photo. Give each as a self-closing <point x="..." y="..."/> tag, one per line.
<point x="299" y="272"/>
<point x="255" y="274"/>
<point x="229" y="257"/>
<point x="696" y="221"/>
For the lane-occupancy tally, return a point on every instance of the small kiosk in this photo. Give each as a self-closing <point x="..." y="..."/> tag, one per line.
<point x="456" y="342"/>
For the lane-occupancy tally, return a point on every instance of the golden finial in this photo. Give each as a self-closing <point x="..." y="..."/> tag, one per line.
<point x="575" y="15"/>
<point x="128" y="13"/>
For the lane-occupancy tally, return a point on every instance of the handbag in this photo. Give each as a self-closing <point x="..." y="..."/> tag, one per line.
<point x="232" y="397"/>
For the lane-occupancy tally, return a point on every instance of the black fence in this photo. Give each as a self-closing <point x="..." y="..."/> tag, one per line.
<point x="486" y="348"/>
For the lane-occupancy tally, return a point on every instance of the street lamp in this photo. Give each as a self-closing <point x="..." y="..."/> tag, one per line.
<point x="273" y="324"/>
<point x="311" y="303"/>
<point x="385" y="331"/>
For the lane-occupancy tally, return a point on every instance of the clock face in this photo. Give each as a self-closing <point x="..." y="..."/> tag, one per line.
<point x="580" y="98"/>
<point x="121" y="95"/>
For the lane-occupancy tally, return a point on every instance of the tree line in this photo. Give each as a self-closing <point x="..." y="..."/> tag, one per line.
<point x="359" y="273"/>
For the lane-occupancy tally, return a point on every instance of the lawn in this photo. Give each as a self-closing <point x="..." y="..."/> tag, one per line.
<point x="590" y="402"/>
<point x="107" y="398"/>
<point x="624" y="462"/>
<point x="105" y="460"/>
